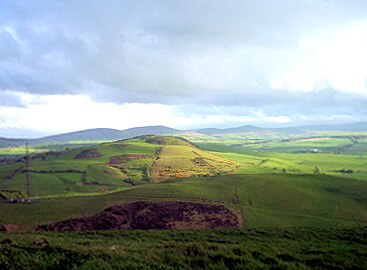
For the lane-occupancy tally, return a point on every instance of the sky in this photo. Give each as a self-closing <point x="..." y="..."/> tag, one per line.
<point x="73" y="65"/>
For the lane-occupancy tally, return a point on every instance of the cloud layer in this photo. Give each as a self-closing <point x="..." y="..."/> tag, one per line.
<point x="283" y="58"/>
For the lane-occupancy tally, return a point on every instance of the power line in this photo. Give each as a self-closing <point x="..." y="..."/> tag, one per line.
<point x="27" y="172"/>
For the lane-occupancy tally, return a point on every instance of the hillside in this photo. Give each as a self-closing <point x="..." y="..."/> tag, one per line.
<point x="110" y="166"/>
<point x="9" y="142"/>
<point x="267" y="200"/>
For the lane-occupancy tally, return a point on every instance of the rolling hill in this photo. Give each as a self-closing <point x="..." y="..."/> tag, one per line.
<point x="114" y="165"/>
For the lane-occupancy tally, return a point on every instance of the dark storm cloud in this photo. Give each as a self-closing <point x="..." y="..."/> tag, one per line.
<point x="170" y="52"/>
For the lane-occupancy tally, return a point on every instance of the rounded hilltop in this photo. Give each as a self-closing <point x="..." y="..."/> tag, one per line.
<point x="166" y="157"/>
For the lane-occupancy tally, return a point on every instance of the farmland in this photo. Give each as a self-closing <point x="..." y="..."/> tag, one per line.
<point x="276" y="184"/>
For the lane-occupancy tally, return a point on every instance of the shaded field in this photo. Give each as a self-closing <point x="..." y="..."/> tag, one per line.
<point x="264" y="200"/>
<point x="297" y="248"/>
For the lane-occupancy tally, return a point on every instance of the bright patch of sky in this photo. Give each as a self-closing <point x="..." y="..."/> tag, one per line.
<point x="46" y="113"/>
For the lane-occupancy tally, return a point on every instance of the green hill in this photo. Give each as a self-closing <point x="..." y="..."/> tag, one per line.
<point x="112" y="166"/>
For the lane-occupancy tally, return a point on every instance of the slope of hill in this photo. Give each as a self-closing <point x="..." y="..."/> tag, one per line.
<point x="109" y="166"/>
<point x="263" y="200"/>
<point x="9" y="142"/>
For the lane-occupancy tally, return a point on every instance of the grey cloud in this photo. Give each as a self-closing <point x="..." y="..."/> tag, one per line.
<point x="169" y="52"/>
<point x="326" y="101"/>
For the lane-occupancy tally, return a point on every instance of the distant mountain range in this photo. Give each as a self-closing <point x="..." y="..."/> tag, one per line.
<point x="242" y="129"/>
<point x="361" y="126"/>
<point x="92" y="134"/>
<point x="114" y="134"/>
<point x="111" y="134"/>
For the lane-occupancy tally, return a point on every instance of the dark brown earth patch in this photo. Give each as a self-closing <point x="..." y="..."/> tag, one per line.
<point x="145" y="215"/>
<point x="88" y="153"/>
<point x="200" y="161"/>
<point x="157" y="140"/>
<point x="126" y="158"/>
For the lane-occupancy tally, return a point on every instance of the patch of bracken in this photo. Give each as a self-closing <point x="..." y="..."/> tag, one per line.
<point x="126" y="158"/>
<point x="88" y="153"/>
<point x="145" y="215"/>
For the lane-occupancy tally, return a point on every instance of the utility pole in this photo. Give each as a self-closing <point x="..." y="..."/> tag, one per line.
<point x="27" y="173"/>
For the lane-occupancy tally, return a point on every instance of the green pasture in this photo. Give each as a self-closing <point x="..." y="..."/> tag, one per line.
<point x="265" y="200"/>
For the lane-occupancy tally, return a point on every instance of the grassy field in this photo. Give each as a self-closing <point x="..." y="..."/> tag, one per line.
<point x="296" y="248"/>
<point x="266" y="200"/>
<point x="303" y="199"/>
<point x="337" y="154"/>
<point x="321" y="142"/>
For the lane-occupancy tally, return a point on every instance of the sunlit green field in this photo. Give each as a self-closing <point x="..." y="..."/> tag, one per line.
<point x="343" y="154"/>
